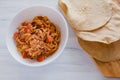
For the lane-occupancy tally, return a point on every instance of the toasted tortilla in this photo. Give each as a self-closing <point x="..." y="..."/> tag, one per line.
<point x="108" y="33"/>
<point x="86" y="15"/>
<point x="102" y="43"/>
<point x="100" y="51"/>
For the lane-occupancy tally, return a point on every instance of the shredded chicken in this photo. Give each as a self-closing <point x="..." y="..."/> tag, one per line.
<point x="37" y="39"/>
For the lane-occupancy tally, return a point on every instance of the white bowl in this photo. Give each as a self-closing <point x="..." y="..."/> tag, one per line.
<point x="28" y="14"/>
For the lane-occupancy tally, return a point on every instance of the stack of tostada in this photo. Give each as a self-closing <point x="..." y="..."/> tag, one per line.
<point x="97" y="26"/>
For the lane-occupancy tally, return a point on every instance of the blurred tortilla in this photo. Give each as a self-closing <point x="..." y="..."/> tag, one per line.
<point x="86" y="15"/>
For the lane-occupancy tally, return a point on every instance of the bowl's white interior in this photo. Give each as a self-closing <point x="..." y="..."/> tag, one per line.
<point x="27" y="15"/>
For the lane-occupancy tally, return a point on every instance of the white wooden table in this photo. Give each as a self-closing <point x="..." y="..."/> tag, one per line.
<point x="73" y="64"/>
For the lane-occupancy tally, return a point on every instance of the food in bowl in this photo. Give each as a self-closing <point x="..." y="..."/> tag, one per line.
<point x="38" y="39"/>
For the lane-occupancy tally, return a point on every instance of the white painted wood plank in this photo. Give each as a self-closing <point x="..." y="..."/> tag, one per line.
<point x="71" y="65"/>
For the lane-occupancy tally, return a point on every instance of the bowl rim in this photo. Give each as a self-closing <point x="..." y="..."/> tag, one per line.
<point x="61" y="49"/>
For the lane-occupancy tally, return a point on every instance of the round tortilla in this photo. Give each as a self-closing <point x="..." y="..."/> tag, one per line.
<point x="108" y="33"/>
<point x="86" y="15"/>
<point x="100" y="51"/>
